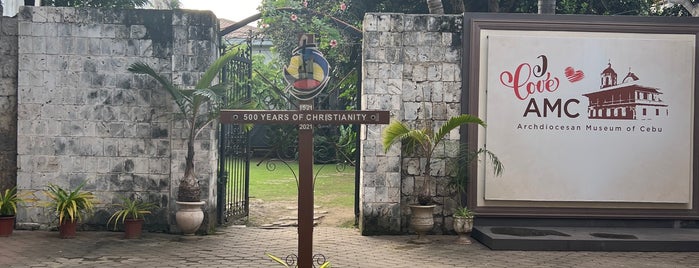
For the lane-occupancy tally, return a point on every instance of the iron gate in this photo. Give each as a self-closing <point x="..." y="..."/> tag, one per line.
<point x="234" y="147"/>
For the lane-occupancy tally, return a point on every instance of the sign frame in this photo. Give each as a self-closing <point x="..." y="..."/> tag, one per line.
<point x="476" y="23"/>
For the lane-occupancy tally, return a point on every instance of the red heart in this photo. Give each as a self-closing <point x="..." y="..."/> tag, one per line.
<point x="573" y="75"/>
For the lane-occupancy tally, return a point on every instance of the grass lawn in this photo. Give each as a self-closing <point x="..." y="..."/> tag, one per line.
<point x="334" y="190"/>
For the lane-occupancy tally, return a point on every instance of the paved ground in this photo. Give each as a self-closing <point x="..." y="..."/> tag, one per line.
<point x="245" y="247"/>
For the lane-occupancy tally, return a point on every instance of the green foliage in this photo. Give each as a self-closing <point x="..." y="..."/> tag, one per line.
<point x="347" y="144"/>
<point x="422" y="142"/>
<point x="8" y="202"/>
<point x="122" y="4"/>
<point x="268" y="84"/>
<point x="69" y="204"/>
<point x="463" y="212"/>
<point x="610" y="7"/>
<point x="130" y="208"/>
<point x="459" y="181"/>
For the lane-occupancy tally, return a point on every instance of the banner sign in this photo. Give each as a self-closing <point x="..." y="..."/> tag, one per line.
<point x="305" y="117"/>
<point x="589" y="116"/>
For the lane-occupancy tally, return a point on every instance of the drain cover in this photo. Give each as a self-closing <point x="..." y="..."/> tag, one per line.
<point x="518" y="231"/>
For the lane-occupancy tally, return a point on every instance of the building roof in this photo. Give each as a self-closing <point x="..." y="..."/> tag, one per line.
<point x="624" y="88"/>
<point x="242" y="33"/>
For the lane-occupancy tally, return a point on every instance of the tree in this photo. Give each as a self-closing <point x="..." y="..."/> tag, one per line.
<point x="692" y="8"/>
<point x="166" y="4"/>
<point x="198" y="108"/>
<point x="125" y="4"/>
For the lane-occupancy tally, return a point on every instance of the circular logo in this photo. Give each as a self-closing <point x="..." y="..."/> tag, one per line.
<point x="307" y="73"/>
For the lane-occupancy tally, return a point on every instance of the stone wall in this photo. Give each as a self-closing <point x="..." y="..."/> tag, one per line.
<point x="8" y="102"/>
<point x="412" y="67"/>
<point x="83" y="117"/>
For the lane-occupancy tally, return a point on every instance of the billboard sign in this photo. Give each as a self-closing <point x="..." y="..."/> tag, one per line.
<point x="591" y="117"/>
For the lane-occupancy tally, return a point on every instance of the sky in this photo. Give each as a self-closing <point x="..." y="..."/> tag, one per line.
<point x="234" y="10"/>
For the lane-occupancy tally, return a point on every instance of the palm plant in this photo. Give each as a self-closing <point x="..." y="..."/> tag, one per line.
<point x="459" y="182"/>
<point x="198" y="107"/>
<point x="130" y="208"/>
<point x="422" y="142"/>
<point x="70" y="205"/>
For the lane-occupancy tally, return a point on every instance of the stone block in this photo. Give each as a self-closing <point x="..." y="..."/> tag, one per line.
<point x="393" y="180"/>
<point x="434" y="72"/>
<point x="439" y="109"/>
<point x="138" y="32"/>
<point x="25" y="28"/>
<point x="38" y="29"/>
<point x="450" y="55"/>
<point x="370" y="23"/>
<point x="419" y="73"/>
<point x="158" y="166"/>
<point x="393" y="55"/>
<point x="24" y="44"/>
<point x="384" y="22"/>
<point x="370" y="70"/>
<point x="411" y="54"/>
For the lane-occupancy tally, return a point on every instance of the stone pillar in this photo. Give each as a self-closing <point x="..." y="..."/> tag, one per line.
<point x="412" y="67"/>
<point x="8" y="102"/>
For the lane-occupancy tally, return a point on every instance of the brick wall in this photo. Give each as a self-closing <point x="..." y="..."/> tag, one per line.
<point x="8" y="102"/>
<point x="412" y="67"/>
<point x="83" y="116"/>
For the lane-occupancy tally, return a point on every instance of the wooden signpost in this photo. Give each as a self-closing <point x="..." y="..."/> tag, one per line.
<point x="302" y="75"/>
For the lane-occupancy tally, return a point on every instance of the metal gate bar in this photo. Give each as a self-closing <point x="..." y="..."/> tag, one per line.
<point x="234" y="147"/>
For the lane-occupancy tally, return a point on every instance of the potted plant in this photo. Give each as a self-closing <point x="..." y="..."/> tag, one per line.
<point x="131" y="212"/>
<point x="463" y="217"/>
<point x="198" y="108"/>
<point x="422" y="142"/>
<point x="463" y="224"/>
<point x="69" y="206"/>
<point x="8" y="208"/>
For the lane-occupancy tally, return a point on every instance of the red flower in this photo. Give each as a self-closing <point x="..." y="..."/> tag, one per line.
<point x="294" y="17"/>
<point x="343" y="6"/>
<point x="333" y="43"/>
<point x="305" y="3"/>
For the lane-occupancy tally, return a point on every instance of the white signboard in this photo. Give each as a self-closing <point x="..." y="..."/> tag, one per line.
<point x="588" y="117"/>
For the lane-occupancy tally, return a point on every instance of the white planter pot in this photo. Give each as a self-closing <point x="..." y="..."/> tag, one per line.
<point x="189" y="216"/>
<point x="463" y="227"/>
<point x="422" y="221"/>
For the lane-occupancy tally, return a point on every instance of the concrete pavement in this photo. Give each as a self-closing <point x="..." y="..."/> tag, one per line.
<point x="246" y="247"/>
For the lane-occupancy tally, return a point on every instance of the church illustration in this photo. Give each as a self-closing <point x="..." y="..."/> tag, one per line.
<point x="625" y="100"/>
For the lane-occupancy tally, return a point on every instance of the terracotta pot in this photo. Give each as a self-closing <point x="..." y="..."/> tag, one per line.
<point x="463" y="227"/>
<point x="189" y="216"/>
<point x="133" y="228"/>
<point x="7" y="224"/>
<point x="67" y="229"/>
<point x="422" y="221"/>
